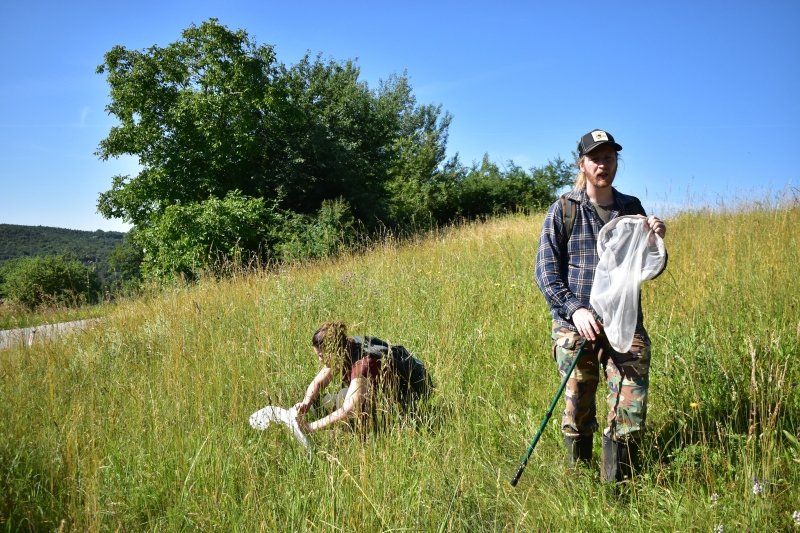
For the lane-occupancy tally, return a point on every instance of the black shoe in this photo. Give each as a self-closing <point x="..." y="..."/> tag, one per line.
<point x="620" y="460"/>
<point x="579" y="449"/>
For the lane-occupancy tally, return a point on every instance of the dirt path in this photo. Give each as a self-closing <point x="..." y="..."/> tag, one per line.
<point x="27" y="336"/>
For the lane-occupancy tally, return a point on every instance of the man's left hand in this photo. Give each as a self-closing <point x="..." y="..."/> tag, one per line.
<point x="657" y="225"/>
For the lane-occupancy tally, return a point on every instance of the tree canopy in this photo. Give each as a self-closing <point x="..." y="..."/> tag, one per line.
<point x="221" y="128"/>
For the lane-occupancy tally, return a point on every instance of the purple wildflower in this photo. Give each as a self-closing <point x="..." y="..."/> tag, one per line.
<point x="758" y="488"/>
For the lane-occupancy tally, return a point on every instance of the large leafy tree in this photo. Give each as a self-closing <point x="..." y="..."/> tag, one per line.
<point x="421" y="182"/>
<point x="216" y="114"/>
<point x="198" y="114"/>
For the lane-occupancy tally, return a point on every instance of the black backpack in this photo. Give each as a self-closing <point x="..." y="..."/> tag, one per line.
<point x="568" y="210"/>
<point x="413" y="379"/>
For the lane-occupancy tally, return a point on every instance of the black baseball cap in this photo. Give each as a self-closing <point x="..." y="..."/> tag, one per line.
<point x="596" y="138"/>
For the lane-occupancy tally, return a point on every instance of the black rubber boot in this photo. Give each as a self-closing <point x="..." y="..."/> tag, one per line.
<point x="578" y="449"/>
<point x="620" y="460"/>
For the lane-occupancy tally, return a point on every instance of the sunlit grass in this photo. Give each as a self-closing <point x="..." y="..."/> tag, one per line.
<point x="14" y="316"/>
<point x="141" y="423"/>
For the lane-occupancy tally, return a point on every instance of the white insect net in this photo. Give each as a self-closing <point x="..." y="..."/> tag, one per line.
<point x="262" y="418"/>
<point x="630" y="253"/>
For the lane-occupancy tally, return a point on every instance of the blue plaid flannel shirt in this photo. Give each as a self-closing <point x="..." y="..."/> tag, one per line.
<point x="566" y="280"/>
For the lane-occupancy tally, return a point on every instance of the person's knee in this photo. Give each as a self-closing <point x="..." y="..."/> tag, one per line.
<point x="332" y="402"/>
<point x="624" y="433"/>
<point x="627" y="422"/>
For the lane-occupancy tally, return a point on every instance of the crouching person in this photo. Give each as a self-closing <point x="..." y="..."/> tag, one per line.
<point x="378" y="380"/>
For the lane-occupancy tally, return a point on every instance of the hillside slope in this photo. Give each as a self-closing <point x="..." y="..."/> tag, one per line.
<point x="141" y="423"/>
<point x="89" y="247"/>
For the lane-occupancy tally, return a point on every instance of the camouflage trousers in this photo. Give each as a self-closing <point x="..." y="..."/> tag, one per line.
<point x="627" y="379"/>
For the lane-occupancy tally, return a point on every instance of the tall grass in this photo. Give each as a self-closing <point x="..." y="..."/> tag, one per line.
<point x="141" y="424"/>
<point x="14" y="316"/>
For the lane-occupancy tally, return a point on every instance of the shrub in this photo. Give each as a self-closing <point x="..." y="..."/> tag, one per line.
<point x="51" y="280"/>
<point x="328" y="233"/>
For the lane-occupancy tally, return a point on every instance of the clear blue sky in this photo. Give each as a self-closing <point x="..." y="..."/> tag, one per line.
<point x="703" y="96"/>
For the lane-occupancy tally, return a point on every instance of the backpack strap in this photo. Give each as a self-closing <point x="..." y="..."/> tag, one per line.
<point x="568" y="212"/>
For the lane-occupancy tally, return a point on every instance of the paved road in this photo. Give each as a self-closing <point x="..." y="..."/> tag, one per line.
<point x="27" y="336"/>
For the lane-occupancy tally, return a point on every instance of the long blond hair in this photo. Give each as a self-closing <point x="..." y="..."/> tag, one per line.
<point x="331" y="339"/>
<point x="580" y="177"/>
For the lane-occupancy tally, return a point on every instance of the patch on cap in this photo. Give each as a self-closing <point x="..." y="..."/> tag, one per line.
<point x="595" y="138"/>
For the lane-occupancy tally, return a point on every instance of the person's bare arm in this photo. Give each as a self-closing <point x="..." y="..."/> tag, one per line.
<point x="352" y="406"/>
<point x="320" y="381"/>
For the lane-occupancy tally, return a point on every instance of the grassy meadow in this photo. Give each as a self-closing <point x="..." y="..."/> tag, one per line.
<point x="17" y="316"/>
<point x="140" y="424"/>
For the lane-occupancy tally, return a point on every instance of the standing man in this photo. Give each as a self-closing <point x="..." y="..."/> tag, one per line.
<point x="565" y="265"/>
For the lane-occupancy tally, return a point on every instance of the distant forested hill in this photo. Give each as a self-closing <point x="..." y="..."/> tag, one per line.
<point x="89" y="247"/>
